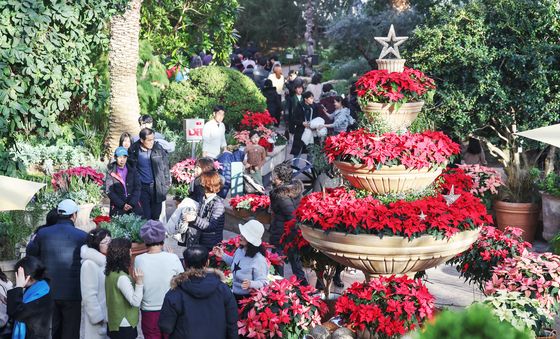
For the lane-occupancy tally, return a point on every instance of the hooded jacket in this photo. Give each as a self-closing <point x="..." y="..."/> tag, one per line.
<point x="199" y="305"/>
<point x="92" y="283"/>
<point x="284" y="200"/>
<point x="114" y="187"/>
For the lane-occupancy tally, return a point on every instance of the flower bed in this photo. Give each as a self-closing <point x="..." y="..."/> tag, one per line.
<point x="394" y="87"/>
<point x="537" y="276"/>
<point x="491" y="249"/>
<point x="259" y="122"/>
<point x="412" y="150"/>
<point x="250" y="202"/>
<point x="81" y="184"/>
<point x="386" y="306"/>
<point x="282" y="309"/>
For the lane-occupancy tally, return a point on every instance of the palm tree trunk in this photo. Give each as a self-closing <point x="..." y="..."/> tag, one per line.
<point x="123" y="62"/>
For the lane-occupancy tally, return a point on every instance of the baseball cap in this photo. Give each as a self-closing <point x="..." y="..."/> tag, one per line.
<point x="120" y="151"/>
<point x="67" y="207"/>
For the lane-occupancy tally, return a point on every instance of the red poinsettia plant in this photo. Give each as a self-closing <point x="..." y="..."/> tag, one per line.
<point x="252" y="202"/>
<point x="81" y="184"/>
<point x="255" y="119"/>
<point x="256" y="122"/>
<point x="231" y="245"/>
<point x="490" y="250"/>
<point x="183" y="174"/>
<point x="343" y="210"/>
<point x="100" y="219"/>
<point x="282" y="309"/>
<point x="413" y="150"/>
<point x="387" y="307"/>
<point x="535" y="275"/>
<point x="394" y="87"/>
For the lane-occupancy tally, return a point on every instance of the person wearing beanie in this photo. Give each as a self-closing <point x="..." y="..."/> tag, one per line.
<point x="159" y="268"/>
<point x="122" y="185"/>
<point x="248" y="263"/>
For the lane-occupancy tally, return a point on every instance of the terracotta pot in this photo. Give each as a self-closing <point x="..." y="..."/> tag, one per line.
<point x="262" y="216"/>
<point x="387" y="179"/>
<point x="83" y="219"/>
<point x="521" y="215"/>
<point x="396" y="119"/>
<point x="549" y="334"/>
<point x="388" y="255"/>
<point x="551" y="216"/>
<point x="137" y="249"/>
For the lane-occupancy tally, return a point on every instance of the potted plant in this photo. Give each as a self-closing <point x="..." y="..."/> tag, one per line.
<point x="550" y="194"/>
<point x="385" y="307"/>
<point x="537" y="276"/>
<point x="84" y="186"/>
<point x="521" y="312"/>
<point x="182" y="175"/>
<point x="516" y="204"/>
<point x="486" y="182"/>
<point x="394" y="97"/>
<point x="476" y="322"/>
<point x="391" y="162"/>
<point x="282" y="309"/>
<point x="249" y="205"/>
<point x="490" y="249"/>
<point x="259" y="122"/>
<point x="126" y="226"/>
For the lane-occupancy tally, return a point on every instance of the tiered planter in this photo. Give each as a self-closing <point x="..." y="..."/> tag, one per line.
<point x="388" y="255"/>
<point x="387" y="179"/>
<point x="396" y="119"/>
<point x="520" y="215"/>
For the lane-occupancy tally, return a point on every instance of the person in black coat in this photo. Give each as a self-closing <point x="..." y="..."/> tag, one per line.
<point x="303" y="113"/>
<point x="152" y="163"/>
<point x="58" y="248"/>
<point x="273" y="101"/>
<point x="199" y="304"/>
<point x="30" y="302"/>
<point x="284" y="200"/>
<point x="196" y="191"/>
<point x="122" y="185"/>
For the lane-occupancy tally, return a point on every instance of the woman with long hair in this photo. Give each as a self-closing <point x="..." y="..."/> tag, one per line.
<point x="474" y="154"/>
<point x="202" y="165"/>
<point x="123" y="299"/>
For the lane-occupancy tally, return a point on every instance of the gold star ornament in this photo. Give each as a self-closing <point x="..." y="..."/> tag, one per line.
<point x="393" y="39"/>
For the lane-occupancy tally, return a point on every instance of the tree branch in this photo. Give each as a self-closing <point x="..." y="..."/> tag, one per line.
<point x="504" y="158"/>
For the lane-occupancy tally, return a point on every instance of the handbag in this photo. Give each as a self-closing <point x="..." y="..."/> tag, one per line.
<point x="192" y="236"/>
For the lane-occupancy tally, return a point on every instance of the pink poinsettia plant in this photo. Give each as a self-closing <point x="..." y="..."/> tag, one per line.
<point x="491" y="249"/>
<point x="387" y="307"/>
<point x="259" y="122"/>
<point x="394" y="87"/>
<point x="81" y="184"/>
<point x="251" y="202"/>
<point x="413" y="150"/>
<point x="183" y="174"/>
<point x="535" y="275"/>
<point x="282" y="309"/>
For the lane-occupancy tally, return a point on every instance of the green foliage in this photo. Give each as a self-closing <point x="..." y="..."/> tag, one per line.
<point x="179" y="29"/>
<point x="476" y="322"/>
<point x="125" y="226"/>
<point x="89" y="137"/>
<point x="46" y="53"/>
<point x="151" y="77"/>
<point x="207" y="87"/>
<point x="16" y="227"/>
<point x="496" y="66"/>
<point x="550" y="184"/>
<point x="346" y="69"/>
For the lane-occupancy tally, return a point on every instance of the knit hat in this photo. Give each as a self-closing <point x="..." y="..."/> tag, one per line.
<point x="252" y="231"/>
<point x="120" y="151"/>
<point x="152" y="232"/>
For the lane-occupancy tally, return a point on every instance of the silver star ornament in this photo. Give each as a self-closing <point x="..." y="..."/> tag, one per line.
<point x="451" y="197"/>
<point x="391" y="38"/>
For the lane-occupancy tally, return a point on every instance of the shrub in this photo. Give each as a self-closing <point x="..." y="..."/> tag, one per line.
<point x="125" y="226"/>
<point x="349" y="69"/>
<point x="210" y="86"/>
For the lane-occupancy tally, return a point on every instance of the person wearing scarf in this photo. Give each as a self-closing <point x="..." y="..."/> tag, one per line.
<point x="30" y="303"/>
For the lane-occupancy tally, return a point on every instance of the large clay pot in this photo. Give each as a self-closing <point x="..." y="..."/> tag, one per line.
<point x="83" y="220"/>
<point x="387" y="179"/>
<point x="551" y="216"/>
<point x="520" y="215"/>
<point x="388" y="255"/>
<point x="396" y="119"/>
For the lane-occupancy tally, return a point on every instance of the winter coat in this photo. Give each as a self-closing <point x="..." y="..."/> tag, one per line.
<point x="58" y="248"/>
<point x="284" y="200"/>
<point x="92" y="282"/>
<point x="114" y="187"/>
<point x="225" y="159"/>
<point x="273" y="102"/>
<point x="199" y="306"/>
<point x="196" y="191"/>
<point x="160" y="168"/>
<point x="210" y="220"/>
<point x="37" y="314"/>
<point x="291" y="104"/>
<point x="301" y="114"/>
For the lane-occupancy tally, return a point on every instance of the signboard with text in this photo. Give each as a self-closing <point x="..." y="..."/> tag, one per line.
<point x="193" y="129"/>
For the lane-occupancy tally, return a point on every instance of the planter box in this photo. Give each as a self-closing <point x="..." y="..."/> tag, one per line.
<point x="277" y="156"/>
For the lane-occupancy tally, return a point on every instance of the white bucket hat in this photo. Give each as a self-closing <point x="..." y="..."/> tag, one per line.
<point x="252" y="231"/>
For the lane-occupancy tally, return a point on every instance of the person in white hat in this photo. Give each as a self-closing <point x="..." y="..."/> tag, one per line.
<point x="248" y="264"/>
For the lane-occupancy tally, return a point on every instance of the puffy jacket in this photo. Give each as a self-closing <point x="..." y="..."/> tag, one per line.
<point x="284" y="200"/>
<point x="114" y="187"/>
<point x="199" y="305"/>
<point x="160" y="168"/>
<point x="210" y="220"/>
<point x="92" y="281"/>
<point x="58" y="248"/>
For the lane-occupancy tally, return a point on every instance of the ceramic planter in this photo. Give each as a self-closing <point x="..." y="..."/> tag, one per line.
<point x="551" y="216"/>
<point x="83" y="220"/>
<point x="387" y="179"/>
<point x="521" y="215"/>
<point x="396" y="119"/>
<point x="388" y="255"/>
